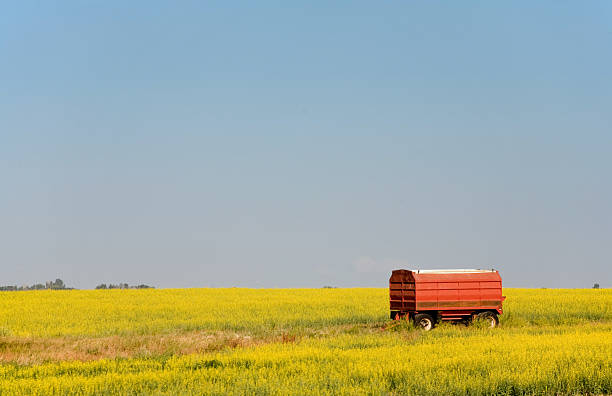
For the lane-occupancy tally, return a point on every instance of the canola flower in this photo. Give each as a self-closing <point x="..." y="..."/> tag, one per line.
<point x="549" y="342"/>
<point x="110" y="312"/>
<point x="123" y="312"/>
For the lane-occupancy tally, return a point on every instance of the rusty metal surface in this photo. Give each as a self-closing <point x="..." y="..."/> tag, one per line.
<point x="448" y="293"/>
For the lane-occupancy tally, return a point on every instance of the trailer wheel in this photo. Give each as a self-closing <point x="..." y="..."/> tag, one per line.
<point x="488" y="317"/>
<point x="424" y="321"/>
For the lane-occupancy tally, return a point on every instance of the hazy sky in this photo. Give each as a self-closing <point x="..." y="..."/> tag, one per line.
<point x="263" y="144"/>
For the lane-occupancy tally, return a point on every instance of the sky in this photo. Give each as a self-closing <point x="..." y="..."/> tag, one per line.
<point x="277" y="144"/>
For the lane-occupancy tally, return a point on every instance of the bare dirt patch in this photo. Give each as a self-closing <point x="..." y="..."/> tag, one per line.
<point x="38" y="350"/>
<point x="69" y="348"/>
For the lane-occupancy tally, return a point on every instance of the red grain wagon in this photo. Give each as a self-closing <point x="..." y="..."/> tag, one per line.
<point x="429" y="296"/>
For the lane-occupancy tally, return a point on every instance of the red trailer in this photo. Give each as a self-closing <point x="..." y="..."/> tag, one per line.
<point x="429" y="296"/>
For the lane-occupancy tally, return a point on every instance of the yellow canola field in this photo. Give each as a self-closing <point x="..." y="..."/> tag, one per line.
<point x="549" y="342"/>
<point x="450" y="361"/>
<point x="152" y="311"/>
<point x="257" y="311"/>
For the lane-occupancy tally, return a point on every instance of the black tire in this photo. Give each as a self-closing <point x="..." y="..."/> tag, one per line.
<point x="424" y="321"/>
<point x="488" y="317"/>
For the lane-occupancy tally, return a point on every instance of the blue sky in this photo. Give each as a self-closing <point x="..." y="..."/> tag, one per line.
<point x="273" y="145"/>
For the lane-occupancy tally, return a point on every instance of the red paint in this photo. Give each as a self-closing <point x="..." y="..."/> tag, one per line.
<point x="445" y="295"/>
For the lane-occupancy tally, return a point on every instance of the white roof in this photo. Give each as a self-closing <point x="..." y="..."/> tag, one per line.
<point x="452" y="271"/>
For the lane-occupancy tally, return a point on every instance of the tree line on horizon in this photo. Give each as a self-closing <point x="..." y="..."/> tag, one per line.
<point x="59" y="284"/>
<point x="122" y="286"/>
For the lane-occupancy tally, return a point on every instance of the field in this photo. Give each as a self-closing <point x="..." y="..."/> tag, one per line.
<point x="298" y="341"/>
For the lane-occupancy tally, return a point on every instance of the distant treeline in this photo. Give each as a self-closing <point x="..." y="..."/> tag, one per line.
<point x="58" y="284"/>
<point x="123" y="286"/>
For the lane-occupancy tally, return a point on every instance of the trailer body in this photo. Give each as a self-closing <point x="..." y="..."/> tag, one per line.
<point x="445" y="294"/>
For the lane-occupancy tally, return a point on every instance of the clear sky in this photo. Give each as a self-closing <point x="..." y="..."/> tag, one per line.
<point x="264" y="144"/>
